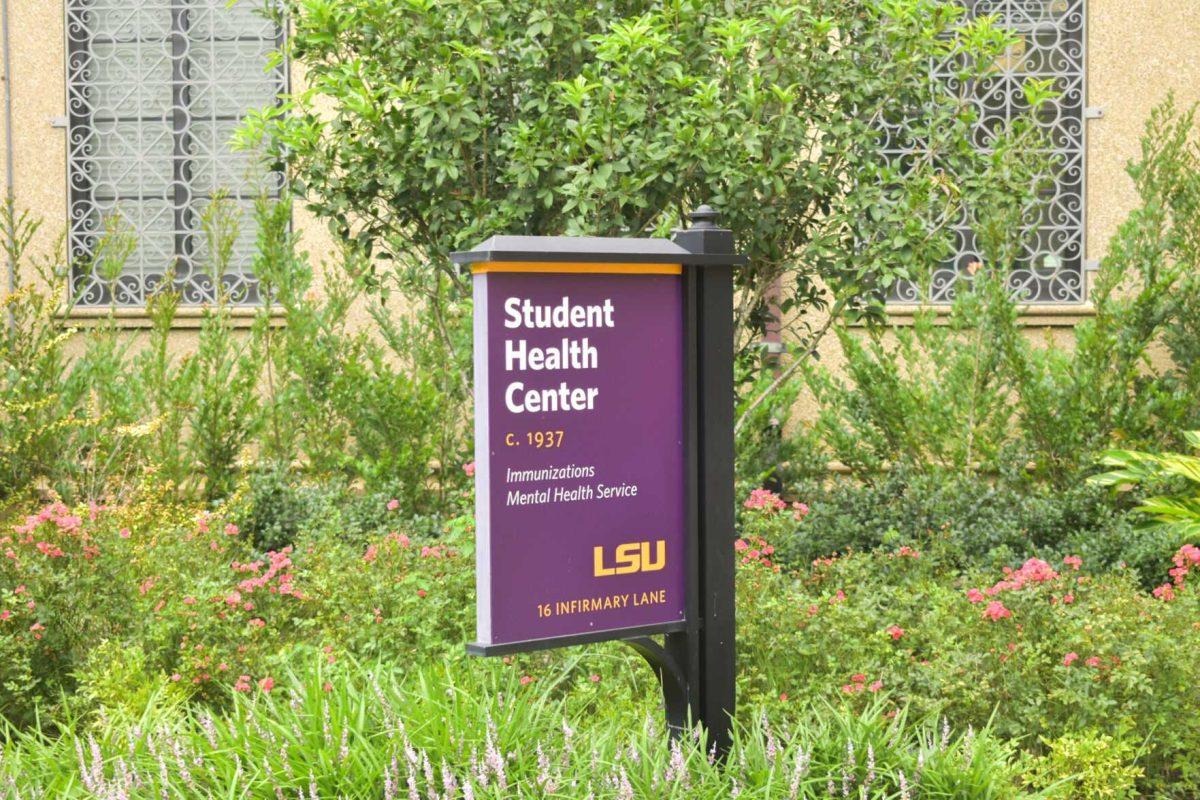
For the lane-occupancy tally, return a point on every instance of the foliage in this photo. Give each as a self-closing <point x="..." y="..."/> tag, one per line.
<point x="970" y="391"/>
<point x="299" y="390"/>
<point x="1085" y="766"/>
<point x="224" y="419"/>
<point x="201" y="604"/>
<point x="154" y="603"/>
<point x="975" y="521"/>
<point x="471" y="732"/>
<point x="425" y="127"/>
<point x="1180" y="516"/>
<point x="35" y="416"/>
<point x="767" y="455"/>
<point x="1045" y="648"/>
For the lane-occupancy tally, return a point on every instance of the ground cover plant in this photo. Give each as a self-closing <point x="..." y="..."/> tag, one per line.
<point x="322" y="732"/>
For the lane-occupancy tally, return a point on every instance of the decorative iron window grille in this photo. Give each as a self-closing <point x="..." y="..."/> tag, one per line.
<point x="155" y="91"/>
<point x="1052" y="45"/>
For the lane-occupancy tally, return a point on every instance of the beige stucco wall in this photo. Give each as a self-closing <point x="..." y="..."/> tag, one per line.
<point x="1138" y="50"/>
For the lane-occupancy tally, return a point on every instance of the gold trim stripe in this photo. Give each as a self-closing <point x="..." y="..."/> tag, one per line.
<point x="613" y="268"/>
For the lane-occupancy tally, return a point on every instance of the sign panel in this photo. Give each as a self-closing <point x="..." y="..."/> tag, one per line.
<point x="579" y="452"/>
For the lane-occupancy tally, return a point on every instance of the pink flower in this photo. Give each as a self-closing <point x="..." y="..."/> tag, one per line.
<point x="176" y="678"/>
<point x="124" y="533"/>
<point x="799" y="511"/>
<point x="189" y="601"/>
<point x="1074" y="562"/>
<point x="1068" y="598"/>
<point x="594" y="678"/>
<point x="976" y="596"/>
<point x="231" y="529"/>
<point x="526" y="680"/>
<point x="1166" y="592"/>
<point x="837" y="598"/>
<point x="469" y="468"/>
<point x="783" y="697"/>
<point x="372" y="552"/>
<point x="996" y="611"/>
<point x="233" y="598"/>
<point x="1093" y="661"/>
<point x="422" y="593"/>
<point x="764" y="499"/>
<point x="243" y="684"/>
<point x="876" y="686"/>
<point x="1070" y="658"/>
<point x="895" y="631"/>
<point x="267" y="684"/>
<point x="393" y="504"/>
<point x="858" y="677"/>
<point x="1032" y="571"/>
<point x="740" y="545"/>
<point x="257" y="623"/>
<point x="4" y="615"/>
<point x="327" y="687"/>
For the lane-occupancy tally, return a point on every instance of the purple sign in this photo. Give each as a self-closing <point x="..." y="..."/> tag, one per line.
<point x="578" y="448"/>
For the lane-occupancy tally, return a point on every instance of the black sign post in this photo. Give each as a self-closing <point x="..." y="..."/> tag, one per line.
<point x="697" y="667"/>
<point x="695" y="662"/>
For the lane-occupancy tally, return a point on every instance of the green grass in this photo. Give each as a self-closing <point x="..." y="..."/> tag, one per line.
<point x="462" y="731"/>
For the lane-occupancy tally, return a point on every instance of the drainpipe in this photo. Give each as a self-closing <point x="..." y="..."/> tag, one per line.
<point x="8" y="143"/>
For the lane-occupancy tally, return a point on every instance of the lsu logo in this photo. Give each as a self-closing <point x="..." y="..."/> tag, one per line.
<point x="631" y="557"/>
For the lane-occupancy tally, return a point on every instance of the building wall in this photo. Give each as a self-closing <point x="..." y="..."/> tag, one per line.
<point x="1138" y="51"/>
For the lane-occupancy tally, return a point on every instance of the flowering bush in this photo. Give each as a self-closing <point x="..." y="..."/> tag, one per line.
<point x="110" y="606"/>
<point x="196" y="606"/>
<point x="1042" y="647"/>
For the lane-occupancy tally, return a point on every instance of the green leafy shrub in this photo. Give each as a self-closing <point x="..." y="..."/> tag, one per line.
<point x="273" y="510"/>
<point x="409" y="140"/>
<point x="38" y="416"/>
<point x="1086" y="765"/>
<point x="196" y="611"/>
<point x="971" y="520"/>
<point x="971" y="393"/>
<point x="198" y="602"/>
<point x="299" y="391"/>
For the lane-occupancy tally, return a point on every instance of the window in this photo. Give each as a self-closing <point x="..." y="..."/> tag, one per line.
<point x="1051" y="45"/>
<point x="155" y="90"/>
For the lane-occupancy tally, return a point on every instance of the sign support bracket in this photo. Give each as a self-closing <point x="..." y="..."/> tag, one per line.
<point x="670" y="676"/>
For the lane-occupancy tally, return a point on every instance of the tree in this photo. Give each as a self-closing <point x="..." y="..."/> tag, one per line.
<point x="428" y="125"/>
